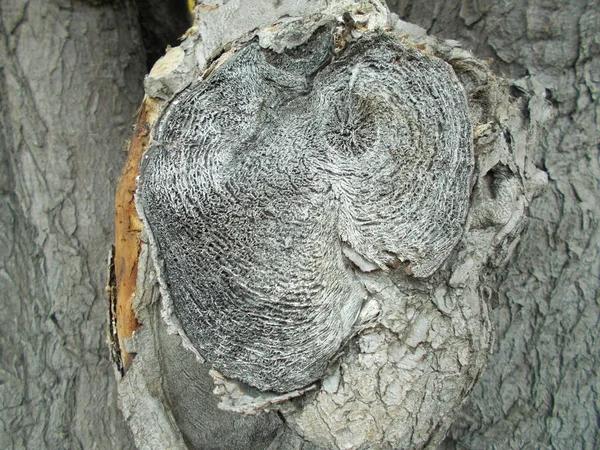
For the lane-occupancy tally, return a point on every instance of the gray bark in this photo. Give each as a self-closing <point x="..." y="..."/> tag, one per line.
<point x="541" y="387"/>
<point x="421" y="343"/>
<point x="69" y="85"/>
<point x="70" y="82"/>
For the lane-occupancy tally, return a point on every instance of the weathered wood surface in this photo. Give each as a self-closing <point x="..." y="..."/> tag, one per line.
<point x="399" y="383"/>
<point x="541" y="387"/>
<point x="70" y="81"/>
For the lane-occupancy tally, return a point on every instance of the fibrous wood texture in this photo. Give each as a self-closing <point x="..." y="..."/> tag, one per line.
<point x="269" y="184"/>
<point x="540" y="389"/>
<point x="70" y="80"/>
<point x="420" y="342"/>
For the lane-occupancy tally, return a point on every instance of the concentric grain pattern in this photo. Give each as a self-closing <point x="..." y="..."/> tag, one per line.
<point x="270" y="183"/>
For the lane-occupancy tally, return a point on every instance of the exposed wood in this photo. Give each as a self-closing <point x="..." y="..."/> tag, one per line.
<point x="70" y="81"/>
<point x="541" y="388"/>
<point x="420" y="343"/>
<point x="127" y="230"/>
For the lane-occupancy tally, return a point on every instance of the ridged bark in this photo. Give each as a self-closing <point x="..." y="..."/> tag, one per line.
<point x="69" y="85"/>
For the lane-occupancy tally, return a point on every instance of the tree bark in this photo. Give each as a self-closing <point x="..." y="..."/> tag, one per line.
<point x="424" y="341"/>
<point x="70" y="81"/>
<point x="70" y="84"/>
<point x="541" y="386"/>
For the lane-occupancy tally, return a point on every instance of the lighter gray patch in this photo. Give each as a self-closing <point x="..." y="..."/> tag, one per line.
<point x="261" y="176"/>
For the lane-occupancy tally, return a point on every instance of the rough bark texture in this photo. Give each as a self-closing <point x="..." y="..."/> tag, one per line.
<point x="69" y="86"/>
<point x="68" y="89"/>
<point x="421" y="343"/>
<point x="541" y="387"/>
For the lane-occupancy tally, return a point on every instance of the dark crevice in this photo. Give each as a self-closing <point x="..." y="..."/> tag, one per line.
<point x="162" y="23"/>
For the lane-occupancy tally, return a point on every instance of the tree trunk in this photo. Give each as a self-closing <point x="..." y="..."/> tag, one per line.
<point x="420" y="342"/>
<point x="70" y="84"/>
<point x="71" y="78"/>
<point x="541" y="386"/>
